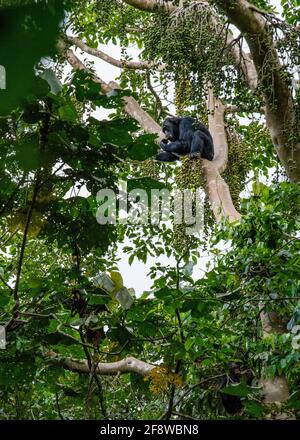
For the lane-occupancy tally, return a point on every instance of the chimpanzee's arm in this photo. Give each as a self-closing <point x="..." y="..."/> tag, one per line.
<point x="178" y="147"/>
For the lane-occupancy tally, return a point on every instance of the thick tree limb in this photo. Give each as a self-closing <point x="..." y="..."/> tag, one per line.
<point x="137" y="65"/>
<point x="152" y="5"/>
<point x="230" y="108"/>
<point x="132" y="107"/>
<point x="278" y="99"/>
<point x="217" y="189"/>
<point x="275" y="389"/>
<point x="78" y="65"/>
<point x="127" y="365"/>
<point x="243" y="60"/>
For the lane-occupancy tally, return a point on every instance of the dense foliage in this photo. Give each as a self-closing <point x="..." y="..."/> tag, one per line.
<point x="55" y="155"/>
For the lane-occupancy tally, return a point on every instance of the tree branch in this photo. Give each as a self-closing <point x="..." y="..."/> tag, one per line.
<point x="131" y="106"/>
<point x="280" y="117"/>
<point x="159" y="105"/>
<point x="242" y="60"/>
<point x="230" y="108"/>
<point x="78" y="65"/>
<point x="137" y="65"/>
<point x="127" y="365"/>
<point x="217" y="189"/>
<point x="152" y="5"/>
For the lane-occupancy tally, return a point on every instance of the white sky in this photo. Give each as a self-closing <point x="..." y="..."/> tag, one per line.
<point x="136" y="275"/>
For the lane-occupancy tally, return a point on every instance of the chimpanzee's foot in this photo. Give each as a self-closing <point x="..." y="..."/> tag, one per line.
<point x="166" y="157"/>
<point x="194" y="155"/>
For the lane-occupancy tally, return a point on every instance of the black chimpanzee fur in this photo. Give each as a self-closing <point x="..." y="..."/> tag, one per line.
<point x="233" y="404"/>
<point x="185" y="136"/>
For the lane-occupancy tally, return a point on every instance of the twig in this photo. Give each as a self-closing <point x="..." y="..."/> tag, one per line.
<point x="208" y="379"/>
<point x="155" y="94"/>
<point x="184" y="416"/>
<point x="58" y="407"/>
<point x="6" y="284"/>
<point x="171" y="400"/>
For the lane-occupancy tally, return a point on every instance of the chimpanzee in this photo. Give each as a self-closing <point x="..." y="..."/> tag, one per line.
<point x="233" y="404"/>
<point x="185" y="136"/>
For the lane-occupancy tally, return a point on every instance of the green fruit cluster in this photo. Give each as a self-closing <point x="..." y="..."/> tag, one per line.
<point x="190" y="174"/>
<point x="149" y="168"/>
<point x="239" y="164"/>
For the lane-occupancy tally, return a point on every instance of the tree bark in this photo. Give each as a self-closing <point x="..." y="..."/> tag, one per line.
<point x="126" y="365"/>
<point x="280" y="117"/>
<point x="275" y="390"/>
<point x="152" y="5"/>
<point x="135" y="65"/>
<point x="217" y="189"/>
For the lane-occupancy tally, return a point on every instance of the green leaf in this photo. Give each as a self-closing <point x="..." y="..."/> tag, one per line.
<point x="35" y="282"/>
<point x="68" y="112"/>
<point x="54" y="83"/>
<point x="116" y="132"/>
<point x="32" y="113"/>
<point x="28" y="33"/>
<point x="4" y="297"/>
<point x="164" y="293"/>
<point x="99" y="299"/>
<point x="189" y="343"/>
<point x="240" y="390"/>
<point x="143" y="147"/>
<point x="254" y="408"/>
<point x="28" y="153"/>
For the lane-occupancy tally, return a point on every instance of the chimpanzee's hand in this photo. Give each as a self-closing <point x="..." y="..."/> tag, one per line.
<point x="163" y="144"/>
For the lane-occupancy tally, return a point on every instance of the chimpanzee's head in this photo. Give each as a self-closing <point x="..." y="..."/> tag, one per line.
<point x="171" y="128"/>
